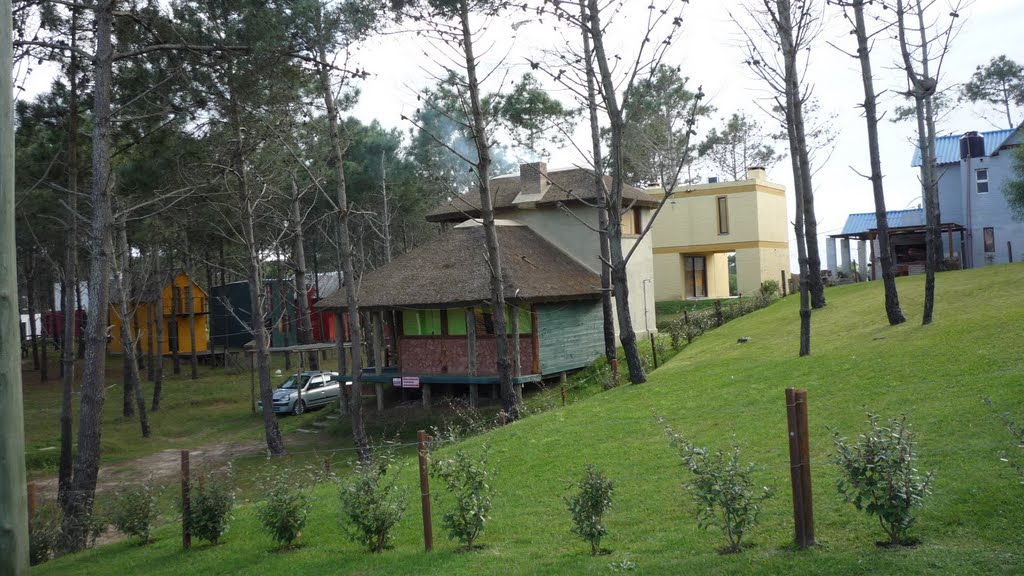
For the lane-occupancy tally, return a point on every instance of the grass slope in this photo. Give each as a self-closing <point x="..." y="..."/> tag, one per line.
<point x="719" y="393"/>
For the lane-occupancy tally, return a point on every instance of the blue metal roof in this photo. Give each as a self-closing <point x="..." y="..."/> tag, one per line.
<point x="861" y="223"/>
<point x="947" y="148"/>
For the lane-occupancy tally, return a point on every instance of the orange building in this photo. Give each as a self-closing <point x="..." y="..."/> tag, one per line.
<point x="174" y="314"/>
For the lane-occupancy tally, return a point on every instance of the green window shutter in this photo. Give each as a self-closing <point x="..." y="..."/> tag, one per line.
<point x="457" y="321"/>
<point x="432" y="322"/>
<point x="410" y="323"/>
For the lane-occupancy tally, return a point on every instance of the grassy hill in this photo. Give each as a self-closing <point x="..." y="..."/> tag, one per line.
<point x="717" y="393"/>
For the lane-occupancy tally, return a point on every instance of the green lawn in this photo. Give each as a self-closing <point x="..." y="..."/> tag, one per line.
<point x="193" y="412"/>
<point x="718" y="393"/>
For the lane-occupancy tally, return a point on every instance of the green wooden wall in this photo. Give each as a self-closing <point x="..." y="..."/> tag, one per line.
<point x="569" y="335"/>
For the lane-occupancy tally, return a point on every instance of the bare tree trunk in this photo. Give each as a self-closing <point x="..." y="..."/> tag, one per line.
<point x="175" y="336"/>
<point x="362" y="443"/>
<point x="627" y="336"/>
<point x="892" y="298"/>
<point x="79" y="327"/>
<point x="15" y="543"/>
<point x="44" y="363"/>
<point x="126" y="310"/>
<point x="158" y="325"/>
<point x="30" y="295"/>
<point x="190" y="309"/>
<point x="922" y="88"/>
<point x="70" y="277"/>
<point x="79" y="503"/>
<point x="247" y="208"/>
<point x="510" y="403"/>
<point x="784" y="25"/>
<point x="794" y="100"/>
<point x="305" y="325"/>
<point x="801" y="244"/>
<point x="607" y="310"/>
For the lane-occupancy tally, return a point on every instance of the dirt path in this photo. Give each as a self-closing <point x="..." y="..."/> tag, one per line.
<point x="161" y="467"/>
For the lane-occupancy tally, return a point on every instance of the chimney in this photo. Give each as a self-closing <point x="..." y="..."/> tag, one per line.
<point x="972" y="145"/>
<point x="757" y="173"/>
<point x="533" y="182"/>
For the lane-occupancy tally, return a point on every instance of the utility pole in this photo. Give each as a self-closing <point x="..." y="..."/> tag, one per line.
<point x="13" y="490"/>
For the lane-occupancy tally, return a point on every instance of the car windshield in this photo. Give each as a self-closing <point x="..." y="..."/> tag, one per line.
<point x="293" y="383"/>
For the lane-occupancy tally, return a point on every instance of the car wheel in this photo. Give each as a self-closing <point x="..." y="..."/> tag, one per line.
<point x="299" y="408"/>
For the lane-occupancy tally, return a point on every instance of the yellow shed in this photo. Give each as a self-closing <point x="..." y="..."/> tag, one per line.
<point x="174" y="314"/>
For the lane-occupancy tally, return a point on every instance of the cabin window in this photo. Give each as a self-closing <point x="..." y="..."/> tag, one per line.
<point x="723" y="215"/>
<point x="990" y="239"/>
<point x="421" y="322"/>
<point x="981" y="178"/>
<point x="631" y="222"/>
<point x="485" y="321"/>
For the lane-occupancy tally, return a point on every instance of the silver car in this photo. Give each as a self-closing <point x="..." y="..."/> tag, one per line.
<point x="306" y="390"/>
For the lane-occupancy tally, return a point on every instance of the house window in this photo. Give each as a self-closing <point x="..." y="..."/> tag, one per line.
<point x="631" y="222"/>
<point x="723" y="215"/>
<point x="981" y="178"/>
<point x="990" y="239"/>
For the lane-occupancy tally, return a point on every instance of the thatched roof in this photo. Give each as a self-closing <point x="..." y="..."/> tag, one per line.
<point x="451" y="271"/>
<point x="567" y="186"/>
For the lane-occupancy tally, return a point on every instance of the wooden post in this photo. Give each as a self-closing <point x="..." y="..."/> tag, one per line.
<point x="377" y="320"/>
<point x="186" y="507"/>
<point x="783" y="285"/>
<point x="31" y="501"/>
<point x="327" y="465"/>
<point x="471" y="341"/>
<point x="800" y="466"/>
<point x="379" y="386"/>
<point x="654" y="350"/>
<point x="428" y="529"/>
<point x="1009" y="252"/>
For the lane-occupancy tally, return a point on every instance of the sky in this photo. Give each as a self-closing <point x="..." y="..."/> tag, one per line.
<point x="709" y="51"/>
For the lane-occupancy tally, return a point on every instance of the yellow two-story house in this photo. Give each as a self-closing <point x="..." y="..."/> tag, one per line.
<point x="702" y="224"/>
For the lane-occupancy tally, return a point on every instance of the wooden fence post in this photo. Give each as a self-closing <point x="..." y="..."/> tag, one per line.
<point x="800" y="466"/>
<point x="783" y="273"/>
<point x="428" y="529"/>
<point x="1009" y="251"/>
<point x="186" y="507"/>
<point x="654" y="351"/>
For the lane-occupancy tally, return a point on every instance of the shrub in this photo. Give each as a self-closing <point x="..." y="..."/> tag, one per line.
<point x="284" y="510"/>
<point x="211" y="508"/>
<point x="879" y="475"/>
<point x="372" y="504"/>
<point x="588" y="506"/>
<point x="722" y="487"/>
<point x="43" y="534"/>
<point x="467" y="479"/>
<point x="770" y="289"/>
<point x="134" y="511"/>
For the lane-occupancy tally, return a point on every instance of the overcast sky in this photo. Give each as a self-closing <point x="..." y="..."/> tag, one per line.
<point x="709" y="52"/>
